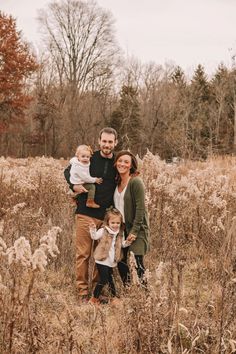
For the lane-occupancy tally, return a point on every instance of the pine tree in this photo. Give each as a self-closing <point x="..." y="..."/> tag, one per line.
<point x="222" y="108"/>
<point x="200" y="85"/>
<point x="116" y="123"/>
<point x="126" y="120"/>
<point x="220" y="75"/>
<point x="200" y="132"/>
<point x="178" y="77"/>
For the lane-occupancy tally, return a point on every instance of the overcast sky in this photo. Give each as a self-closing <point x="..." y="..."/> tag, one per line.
<point x="186" y="32"/>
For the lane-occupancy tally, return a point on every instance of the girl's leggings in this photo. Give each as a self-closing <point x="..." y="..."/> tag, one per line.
<point x="105" y="277"/>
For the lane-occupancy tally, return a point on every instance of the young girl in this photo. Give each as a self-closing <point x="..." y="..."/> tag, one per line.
<point x="79" y="173"/>
<point x="108" y="251"/>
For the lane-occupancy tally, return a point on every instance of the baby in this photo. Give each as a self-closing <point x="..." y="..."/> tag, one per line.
<point x="79" y="173"/>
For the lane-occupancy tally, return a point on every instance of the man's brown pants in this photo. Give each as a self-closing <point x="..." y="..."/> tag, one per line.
<point x="84" y="250"/>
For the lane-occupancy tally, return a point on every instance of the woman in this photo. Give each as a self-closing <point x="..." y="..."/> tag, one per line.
<point x="129" y="199"/>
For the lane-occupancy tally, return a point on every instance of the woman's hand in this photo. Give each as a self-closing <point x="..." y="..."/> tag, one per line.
<point x="131" y="238"/>
<point x="126" y="243"/>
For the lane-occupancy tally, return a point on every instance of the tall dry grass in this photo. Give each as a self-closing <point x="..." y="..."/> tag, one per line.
<point x="189" y="306"/>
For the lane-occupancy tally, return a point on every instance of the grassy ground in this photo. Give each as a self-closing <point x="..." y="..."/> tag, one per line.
<point x="190" y="303"/>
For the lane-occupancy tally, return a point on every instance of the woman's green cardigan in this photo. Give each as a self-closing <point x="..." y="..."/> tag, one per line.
<point x="136" y="217"/>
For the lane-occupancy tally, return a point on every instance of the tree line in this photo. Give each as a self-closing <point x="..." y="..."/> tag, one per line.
<point x="80" y="82"/>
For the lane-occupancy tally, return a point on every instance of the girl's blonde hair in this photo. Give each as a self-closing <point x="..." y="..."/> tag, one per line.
<point x="81" y="148"/>
<point x="112" y="212"/>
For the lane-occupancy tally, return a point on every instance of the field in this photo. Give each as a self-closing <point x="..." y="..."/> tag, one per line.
<point x="190" y="304"/>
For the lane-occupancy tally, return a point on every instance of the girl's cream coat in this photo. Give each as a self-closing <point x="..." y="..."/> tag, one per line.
<point x="102" y="250"/>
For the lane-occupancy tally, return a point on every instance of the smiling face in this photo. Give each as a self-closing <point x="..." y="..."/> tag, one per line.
<point x="114" y="222"/>
<point x="123" y="164"/>
<point x="107" y="143"/>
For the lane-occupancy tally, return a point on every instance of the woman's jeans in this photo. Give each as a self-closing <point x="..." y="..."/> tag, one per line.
<point x="124" y="269"/>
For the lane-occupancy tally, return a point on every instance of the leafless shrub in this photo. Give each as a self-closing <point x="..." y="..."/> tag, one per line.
<point x="188" y="305"/>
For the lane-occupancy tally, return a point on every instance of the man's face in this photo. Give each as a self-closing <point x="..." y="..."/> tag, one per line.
<point x="107" y="143"/>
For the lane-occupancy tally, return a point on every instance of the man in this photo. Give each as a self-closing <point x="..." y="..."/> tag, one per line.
<point x="101" y="166"/>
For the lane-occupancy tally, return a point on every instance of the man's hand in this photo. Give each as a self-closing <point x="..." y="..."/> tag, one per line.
<point x="78" y="188"/>
<point x="98" y="180"/>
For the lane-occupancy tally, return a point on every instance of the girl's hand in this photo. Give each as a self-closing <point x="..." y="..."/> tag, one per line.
<point x="92" y="227"/>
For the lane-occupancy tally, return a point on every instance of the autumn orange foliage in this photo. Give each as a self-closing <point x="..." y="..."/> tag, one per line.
<point x="17" y="63"/>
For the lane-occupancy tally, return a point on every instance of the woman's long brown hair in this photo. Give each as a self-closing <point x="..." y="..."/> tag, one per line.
<point x="134" y="164"/>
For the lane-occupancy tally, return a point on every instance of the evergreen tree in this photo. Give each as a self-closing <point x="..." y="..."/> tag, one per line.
<point x="126" y="120"/>
<point x="200" y="132"/>
<point x="178" y="107"/>
<point x="200" y="85"/>
<point x="178" y="77"/>
<point x="222" y="108"/>
<point x="220" y="75"/>
<point x="116" y="123"/>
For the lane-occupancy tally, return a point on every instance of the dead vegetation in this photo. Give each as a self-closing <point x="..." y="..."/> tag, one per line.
<point x="190" y="303"/>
